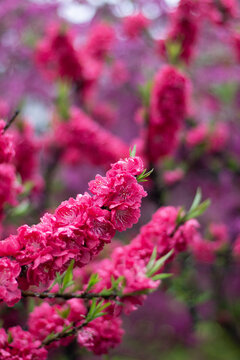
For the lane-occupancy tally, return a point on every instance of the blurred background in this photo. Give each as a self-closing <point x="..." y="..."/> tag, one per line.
<point x="104" y="59"/>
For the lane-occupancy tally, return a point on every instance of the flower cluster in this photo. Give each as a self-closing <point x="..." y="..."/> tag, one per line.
<point x="9" y="187"/>
<point x="183" y="32"/>
<point x="236" y="248"/>
<point x="58" y="56"/>
<point x="236" y="44"/>
<point x="168" y="108"/>
<point x="99" y="336"/>
<point x="79" y="228"/>
<point x="135" y="24"/>
<point x="83" y="139"/>
<point x="7" y="150"/>
<point x="221" y="11"/>
<point x="214" y="138"/>
<point x="205" y="250"/>
<point x="19" y="345"/>
<point x="27" y="147"/>
<point x="9" y="271"/>
<point x="129" y="263"/>
<point x="47" y="319"/>
<point x="171" y="177"/>
<point x="100" y="40"/>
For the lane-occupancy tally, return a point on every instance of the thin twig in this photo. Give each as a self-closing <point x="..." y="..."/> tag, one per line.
<point x="67" y="296"/>
<point x="62" y="334"/>
<point x="11" y="120"/>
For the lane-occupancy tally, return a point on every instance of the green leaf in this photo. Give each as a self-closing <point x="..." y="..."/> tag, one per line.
<point x="145" y="93"/>
<point x="159" y="263"/>
<point x="94" y="279"/>
<point x="116" y="283"/>
<point x="59" y="278"/>
<point x="64" y="313"/>
<point x="49" y="337"/>
<point x="21" y="210"/>
<point x="225" y="92"/>
<point x="174" y="49"/>
<point x="142" y="177"/>
<point x="152" y="259"/>
<point x="180" y="216"/>
<point x="62" y="100"/>
<point x="196" y="200"/>
<point x="161" y="276"/>
<point x="27" y="187"/>
<point x="96" y="309"/>
<point x="199" y="210"/>
<point x="68" y="277"/>
<point x="132" y="152"/>
<point x="30" y="305"/>
<point x="91" y="310"/>
<point x="10" y="338"/>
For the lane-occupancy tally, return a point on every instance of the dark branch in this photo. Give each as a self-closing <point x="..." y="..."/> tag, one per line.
<point x="11" y="120"/>
<point x="63" y="334"/>
<point x="67" y="296"/>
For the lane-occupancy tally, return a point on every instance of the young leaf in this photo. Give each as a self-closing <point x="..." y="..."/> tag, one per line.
<point x="158" y="264"/>
<point x="199" y="210"/>
<point x="143" y="176"/>
<point x="196" y="200"/>
<point x="152" y="259"/>
<point x="67" y="279"/>
<point x="96" y="310"/>
<point x="64" y="313"/>
<point x="132" y="152"/>
<point x="94" y="279"/>
<point x="161" y="276"/>
<point x="180" y="216"/>
<point x="21" y="210"/>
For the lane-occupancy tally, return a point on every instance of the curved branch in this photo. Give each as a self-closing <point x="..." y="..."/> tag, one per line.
<point x="11" y="120"/>
<point x="67" y="296"/>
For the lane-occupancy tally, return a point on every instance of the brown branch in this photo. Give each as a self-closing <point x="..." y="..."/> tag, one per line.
<point x="67" y="296"/>
<point x="62" y="334"/>
<point x="11" y="120"/>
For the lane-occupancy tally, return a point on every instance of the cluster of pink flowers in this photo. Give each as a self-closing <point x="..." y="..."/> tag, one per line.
<point x="104" y="114"/>
<point x="236" y="44"/>
<point x="46" y="319"/>
<point x="9" y="186"/>
<point x="135" y="24"/>
<point x="128" y="262"/>
<point x="98" y="336"/>
<point x="219" y="11"/>
<point x="18" y="156"/>
<point x="205" y="250"/>
<point x="82" y="138"/>
<point x="213" y="137"/>
<point x="101" y="335"/>
<point x="184" y="29"/>
<point x="58" y="56"/>
<point x="27" y="147"/>
<point x="9" y="271"/>
<point x="171" y="177"/>
<point x="236" y="248"/>
<point x="100" y="39"/>
<point x="7" y="150"/>
<point x="168" y="108"/>
<point x="19" y="345"/>
<point x="79" y="227"/>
